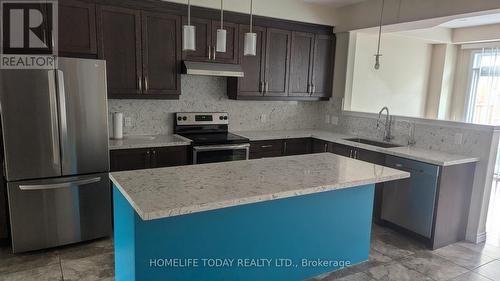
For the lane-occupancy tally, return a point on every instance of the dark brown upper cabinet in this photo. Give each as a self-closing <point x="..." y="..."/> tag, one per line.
<point x="141" y="64"/>
<point x="278" y="43"/>
<point x="252" y="84"/>
<point x="161" y="55"/>
<point x="323" y="66"/>
<point x="203" y="39"/>
<point x="231" y="54"/>
<point x="77" y="29"/>
<point x="301" y="64"/>
<point x="206" y="40"/>
<point x="120" y="45"/>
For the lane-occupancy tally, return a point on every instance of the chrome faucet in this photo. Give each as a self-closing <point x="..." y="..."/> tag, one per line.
<point x="387" y="124"/>
<point x="411" y="134"/>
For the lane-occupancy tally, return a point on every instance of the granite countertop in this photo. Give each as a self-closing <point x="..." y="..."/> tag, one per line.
<point x="173" y="191"/>
<point x="413" y="153"/>
<point x="145" y="141"/>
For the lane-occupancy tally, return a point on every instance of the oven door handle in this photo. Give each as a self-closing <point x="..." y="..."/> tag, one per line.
<point x="221" y="147"/>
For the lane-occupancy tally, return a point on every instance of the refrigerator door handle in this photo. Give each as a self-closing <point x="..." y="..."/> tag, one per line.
<point x="54" y="130"/>
<point x="59" y="185"/>
<point x="63" y="119"/>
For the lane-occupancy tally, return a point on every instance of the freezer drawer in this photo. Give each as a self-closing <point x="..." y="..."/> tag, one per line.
<point x="53" y="212"/>
<point x="409" y="203"/>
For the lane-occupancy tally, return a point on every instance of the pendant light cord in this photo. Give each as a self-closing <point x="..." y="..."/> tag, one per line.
<point x="251" y="15"/>
<point x="221" y="15"/>
<point x="189" y="12"/>
<point x="380" y="28"/>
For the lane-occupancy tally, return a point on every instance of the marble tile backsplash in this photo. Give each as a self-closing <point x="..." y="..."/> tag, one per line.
<point x="203" y="93"/>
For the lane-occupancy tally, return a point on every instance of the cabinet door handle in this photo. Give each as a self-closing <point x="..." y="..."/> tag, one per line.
<point x="154" y="159"/>
<point x="284" y="147"/>
<point x="146" y="88"/>
<point x="209" y="52"/>
<point x="267" y="87"/>
<point x="326" y="147"/>
<point x="355" y="154"/>
<point x="266" y="146"/>
<point x="313" y="90"/>
<point x="215" y="50"/>
<point x="148" y="159"/>
<point x="139" y="83"/>
<point x="350" y="154"/>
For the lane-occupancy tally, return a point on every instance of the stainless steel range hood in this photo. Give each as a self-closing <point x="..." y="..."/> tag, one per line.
<point x="212" y="69"/>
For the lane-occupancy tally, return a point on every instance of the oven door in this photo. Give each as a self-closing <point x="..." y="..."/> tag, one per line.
<point x="220" y="153"/>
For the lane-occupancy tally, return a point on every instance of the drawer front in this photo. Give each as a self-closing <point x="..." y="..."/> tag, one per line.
<point x="266" y="146"/>
<point x="265" y="154"/>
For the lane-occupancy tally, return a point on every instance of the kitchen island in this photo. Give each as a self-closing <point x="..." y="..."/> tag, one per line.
<point x="285" y="218"/>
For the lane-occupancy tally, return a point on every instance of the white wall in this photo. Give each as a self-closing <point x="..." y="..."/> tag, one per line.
<point x="296" y="10"/>
<point x="401" y="81"/>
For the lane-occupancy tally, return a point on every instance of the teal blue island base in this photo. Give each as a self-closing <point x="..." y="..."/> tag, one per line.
<point x="289" y="239"/>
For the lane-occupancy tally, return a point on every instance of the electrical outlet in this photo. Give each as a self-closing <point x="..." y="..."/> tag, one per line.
<point x="327" y="118"/>
<point x="128" y="122"/>
<point x="263" y="118"/>
<point x="334" y="120"/>
<point x="459" y="138"/>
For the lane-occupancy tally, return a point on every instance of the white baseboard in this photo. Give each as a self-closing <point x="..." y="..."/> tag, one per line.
<point x="479" y="238"/>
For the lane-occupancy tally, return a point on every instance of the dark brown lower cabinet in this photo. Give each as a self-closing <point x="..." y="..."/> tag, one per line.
<point x="145" y="158"/>
<point x="297" y="146"/>
<point x="320" y="146"/>
<point x="170" y="156"/>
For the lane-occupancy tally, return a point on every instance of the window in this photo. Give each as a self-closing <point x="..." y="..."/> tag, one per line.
<point x="484" y="93"/>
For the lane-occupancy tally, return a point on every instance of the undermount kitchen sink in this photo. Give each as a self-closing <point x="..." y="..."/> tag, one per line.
<point x="374" y="143"/>
<point x="140" y="137"/>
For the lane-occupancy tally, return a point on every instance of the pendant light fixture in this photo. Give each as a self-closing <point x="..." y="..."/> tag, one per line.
<point x="189" y="33"/>
<point x="221" y="32"/>
<point x="250" y="48"/>
<point x="378" y="54"/>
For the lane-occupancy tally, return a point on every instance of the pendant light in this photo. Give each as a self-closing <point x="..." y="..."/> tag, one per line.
<point x="250" y="48"/>
<point x="378" y="54"/>
<point x="221" y="32"/>
<point x="189" y="33"/>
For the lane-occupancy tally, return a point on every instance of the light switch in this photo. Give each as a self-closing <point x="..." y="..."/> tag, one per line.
<point x="128" y="122"/>
<point x="263" y="118"/>
<point x="459" y="138"/>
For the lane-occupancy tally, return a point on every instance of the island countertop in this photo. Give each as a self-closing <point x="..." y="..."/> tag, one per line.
<point x="173" y="191"/>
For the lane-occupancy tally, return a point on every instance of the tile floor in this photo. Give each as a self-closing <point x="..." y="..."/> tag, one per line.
<point x="392" y="257"/>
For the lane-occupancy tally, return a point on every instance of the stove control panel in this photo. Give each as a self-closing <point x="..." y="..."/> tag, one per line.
<point x="201" y="118"/>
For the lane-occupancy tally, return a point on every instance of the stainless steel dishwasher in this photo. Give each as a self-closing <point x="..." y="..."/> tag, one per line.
<point x="409" y="203"/>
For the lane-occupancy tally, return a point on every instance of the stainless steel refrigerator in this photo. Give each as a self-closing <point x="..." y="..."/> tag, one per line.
<point x="55" y="153"/>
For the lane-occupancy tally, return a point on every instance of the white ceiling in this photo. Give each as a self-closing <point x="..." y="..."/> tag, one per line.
<point x="473" y="21"/>
<point x="334" y="3"/>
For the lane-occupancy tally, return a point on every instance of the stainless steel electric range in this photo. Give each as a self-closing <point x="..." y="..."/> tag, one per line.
<point x="211" y="141"/>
